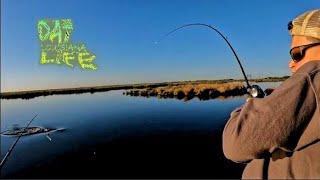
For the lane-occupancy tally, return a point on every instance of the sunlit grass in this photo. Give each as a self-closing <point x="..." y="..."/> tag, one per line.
<point x="200" y="90"/>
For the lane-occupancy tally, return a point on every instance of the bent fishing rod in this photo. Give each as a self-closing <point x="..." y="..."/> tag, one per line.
<point x="254" y="90"/>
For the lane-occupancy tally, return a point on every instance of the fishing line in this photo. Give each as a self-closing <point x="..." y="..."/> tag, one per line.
<point x="224" y="38"/>
<point x="14" y="144"/>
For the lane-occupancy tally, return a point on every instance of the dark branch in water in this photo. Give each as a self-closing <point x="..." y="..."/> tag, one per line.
<point x="14" y="144"/>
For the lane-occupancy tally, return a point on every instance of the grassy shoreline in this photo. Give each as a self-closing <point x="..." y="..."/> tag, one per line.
<point x="203" y="91"/>
<point x="93" y="89"/>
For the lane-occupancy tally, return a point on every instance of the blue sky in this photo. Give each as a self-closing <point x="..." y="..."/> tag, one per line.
<point x="121" y="33"/>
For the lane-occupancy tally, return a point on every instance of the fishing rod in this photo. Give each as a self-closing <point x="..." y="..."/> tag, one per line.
<point x="14" y="144"/>
<point x="254" y="90"/>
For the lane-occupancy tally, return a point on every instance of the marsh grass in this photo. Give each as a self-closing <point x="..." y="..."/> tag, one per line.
<point x="187" y="91"/>
<point x="165" y="89"/>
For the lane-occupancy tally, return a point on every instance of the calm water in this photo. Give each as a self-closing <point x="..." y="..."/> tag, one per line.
<point x="109" y="135"/>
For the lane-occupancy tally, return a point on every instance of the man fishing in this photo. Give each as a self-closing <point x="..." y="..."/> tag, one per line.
<point x="279" y="135"/>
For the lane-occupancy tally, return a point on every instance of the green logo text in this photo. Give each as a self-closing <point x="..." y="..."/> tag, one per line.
<point x="57" y="48"/>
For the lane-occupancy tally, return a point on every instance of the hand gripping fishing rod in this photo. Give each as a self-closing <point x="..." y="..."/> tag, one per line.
<point x="254" y="90"/>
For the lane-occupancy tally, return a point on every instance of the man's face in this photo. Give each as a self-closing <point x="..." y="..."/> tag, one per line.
<point x="298" y="41"/>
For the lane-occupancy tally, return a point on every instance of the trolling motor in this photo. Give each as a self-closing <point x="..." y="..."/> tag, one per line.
<point x="254" y="90"/>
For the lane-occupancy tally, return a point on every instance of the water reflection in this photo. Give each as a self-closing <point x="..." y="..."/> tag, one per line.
<point x="114" y="136"/>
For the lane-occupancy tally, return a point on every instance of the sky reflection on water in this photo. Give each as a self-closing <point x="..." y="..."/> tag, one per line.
<point x="110" y="122"/>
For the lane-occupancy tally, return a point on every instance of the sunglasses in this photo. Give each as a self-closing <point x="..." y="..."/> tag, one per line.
<point x="290" y="26"/>
<point x="297" y="53"/>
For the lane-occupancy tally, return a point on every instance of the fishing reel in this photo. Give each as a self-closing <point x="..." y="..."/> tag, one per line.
<point x="255" y="91"/>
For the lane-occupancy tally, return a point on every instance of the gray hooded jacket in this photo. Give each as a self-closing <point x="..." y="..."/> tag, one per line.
<point x="279" y="135"/>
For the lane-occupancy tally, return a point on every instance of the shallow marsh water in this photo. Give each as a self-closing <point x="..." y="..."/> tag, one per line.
<point x="109" y="135"/>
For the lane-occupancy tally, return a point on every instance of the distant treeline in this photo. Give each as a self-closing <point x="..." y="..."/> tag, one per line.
<point x="48" y="92"/>
<point x="270" y="79"/>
